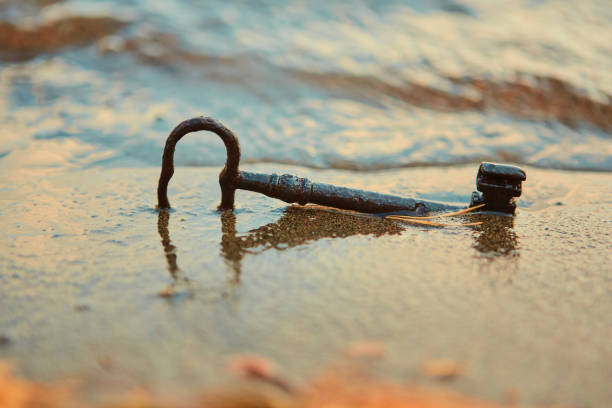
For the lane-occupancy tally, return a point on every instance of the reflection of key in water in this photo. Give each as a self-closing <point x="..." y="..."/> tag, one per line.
<point x="496" y="241"/>
<point x="179" y="278"/>
<point x="297" y="226"/>
<point x="176" y="273"/>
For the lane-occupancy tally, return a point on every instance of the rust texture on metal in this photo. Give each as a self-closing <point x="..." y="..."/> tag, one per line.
<point x="293" y="189"/>
<point x="227" y="175"/>
<point x="499" y="184"/>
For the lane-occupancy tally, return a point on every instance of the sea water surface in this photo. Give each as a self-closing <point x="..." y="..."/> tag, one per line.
<point x="379" y="84"/>
<point x="402" y="97"/>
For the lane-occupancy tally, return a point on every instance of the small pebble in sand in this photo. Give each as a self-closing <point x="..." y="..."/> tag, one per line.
<point x="166" y="293"/>
<point x="512" y="396"/>
<point x="4" y="340"/>
<point x="249" y="365"/>
<point x="259" y="368"/>
<point x="442" y="369"/>
<point x="106" y="363"/>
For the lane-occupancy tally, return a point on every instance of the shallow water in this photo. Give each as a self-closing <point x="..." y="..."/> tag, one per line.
<point x="397" y="97"/>
<point x="373" y="85"/>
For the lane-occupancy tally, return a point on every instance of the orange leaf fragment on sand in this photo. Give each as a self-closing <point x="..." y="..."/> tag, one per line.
<point x="255" y="367"/>
<point x="250" y="365"/>
<point x="342" y="391"/>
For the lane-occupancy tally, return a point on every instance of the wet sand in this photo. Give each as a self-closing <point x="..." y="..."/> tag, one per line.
<point x="97" y="285"/>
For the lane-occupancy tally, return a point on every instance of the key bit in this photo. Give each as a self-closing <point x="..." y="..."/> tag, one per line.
<point x="499" y="185"/>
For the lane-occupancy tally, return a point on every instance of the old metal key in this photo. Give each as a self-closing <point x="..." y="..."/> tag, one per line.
<point x="498" y="185"/>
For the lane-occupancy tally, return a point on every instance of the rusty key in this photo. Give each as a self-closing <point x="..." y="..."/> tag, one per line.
<point x="498" y="185"/>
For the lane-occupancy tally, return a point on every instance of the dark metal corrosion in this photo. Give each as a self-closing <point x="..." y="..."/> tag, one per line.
<point x="499" y="184"/>
<point x="293" y="189"/>
<point x="227" y="175"/>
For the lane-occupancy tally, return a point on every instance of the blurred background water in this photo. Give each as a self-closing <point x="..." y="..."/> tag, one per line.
<point x="370" y="85"/>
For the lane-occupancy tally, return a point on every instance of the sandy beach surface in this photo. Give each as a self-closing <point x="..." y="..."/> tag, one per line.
<point x="100" y="279"/>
